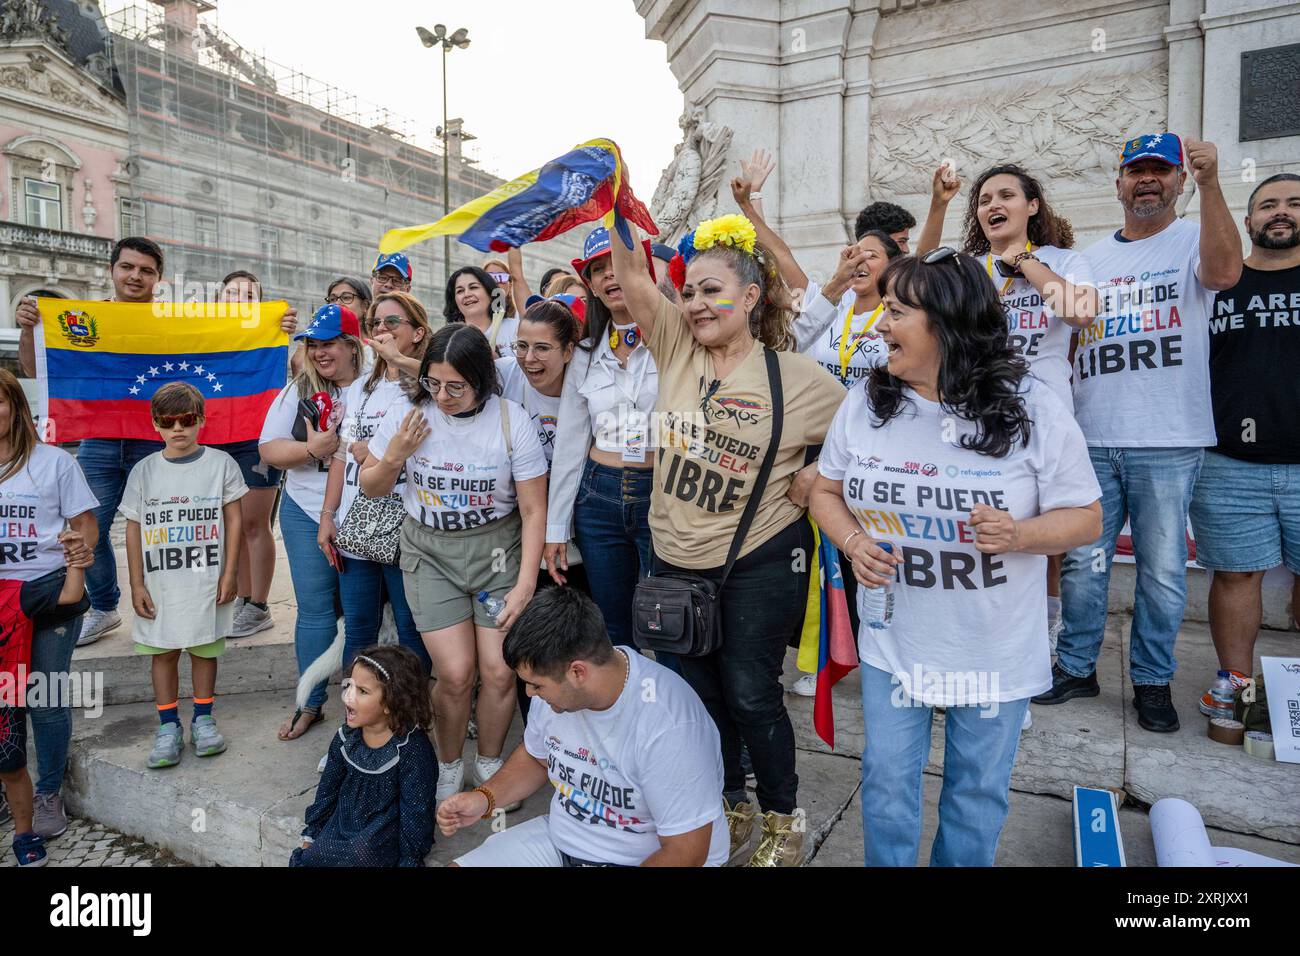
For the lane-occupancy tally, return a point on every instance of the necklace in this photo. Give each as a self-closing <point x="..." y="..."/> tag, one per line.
<point x="988" y="265"/>
<point x="849" y="346"/>
<point x="626" y="333"/>
<point x="627" y="671"/>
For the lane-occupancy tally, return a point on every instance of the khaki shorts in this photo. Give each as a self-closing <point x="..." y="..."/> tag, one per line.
<point x="443" y="571"/>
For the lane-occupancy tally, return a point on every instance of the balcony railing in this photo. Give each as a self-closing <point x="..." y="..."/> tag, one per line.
<point x="17" y="236"/>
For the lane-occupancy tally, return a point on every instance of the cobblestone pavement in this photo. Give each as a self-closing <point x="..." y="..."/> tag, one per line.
<point x="89" y="844"/>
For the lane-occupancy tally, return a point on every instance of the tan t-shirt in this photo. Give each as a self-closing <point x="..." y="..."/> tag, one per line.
<point x="709" y="452"/>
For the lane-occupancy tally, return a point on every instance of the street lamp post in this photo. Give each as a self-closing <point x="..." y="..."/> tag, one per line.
<point x="440" y="37"/>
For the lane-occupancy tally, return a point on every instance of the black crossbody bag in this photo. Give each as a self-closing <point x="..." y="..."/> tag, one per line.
<point x="677" y="612"/>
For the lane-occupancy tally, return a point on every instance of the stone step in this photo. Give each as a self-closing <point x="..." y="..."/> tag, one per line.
<point x="1097" y="742"/>
<point x="1276" y="597"/>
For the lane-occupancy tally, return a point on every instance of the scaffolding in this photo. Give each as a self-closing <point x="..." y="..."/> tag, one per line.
<point x="240" y="162"/>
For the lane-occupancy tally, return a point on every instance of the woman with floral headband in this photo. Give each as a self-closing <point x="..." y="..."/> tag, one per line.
<point x="715" y="426"/>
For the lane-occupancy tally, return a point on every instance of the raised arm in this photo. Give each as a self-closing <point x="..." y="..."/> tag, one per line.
<point x="1221" y="259"/>
<point x="943" y="190"/>
<point x="518" y="284"/>
<point x="639" y="290"/>
<point x="744" y="189"/>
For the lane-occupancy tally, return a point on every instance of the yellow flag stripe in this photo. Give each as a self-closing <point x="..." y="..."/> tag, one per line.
<point x="152" y="328"/>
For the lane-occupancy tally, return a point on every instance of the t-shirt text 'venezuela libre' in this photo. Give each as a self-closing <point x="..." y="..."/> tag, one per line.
<point x="462" y="475"/>
<point x="1255" y="367"/>
<point x="1141" y="370"/>
<point x="178" y="505"/>
<point x="968" y="627"/>
<point x="710" y="449"/>
<point x="35" y="502"/>
<point x="649" y="766"/>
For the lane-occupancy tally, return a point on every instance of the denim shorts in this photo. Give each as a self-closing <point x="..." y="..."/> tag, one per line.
<point x="1246" y="515"/>
<point x="257" y="473"/>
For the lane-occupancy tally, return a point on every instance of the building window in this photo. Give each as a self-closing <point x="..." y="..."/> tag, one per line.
<point x="314" y="248"/>
<point x="133" y="219"/>
<point x="206" y="228"/>
<point x="44" y="209"/>
<point x="269" y="241"/>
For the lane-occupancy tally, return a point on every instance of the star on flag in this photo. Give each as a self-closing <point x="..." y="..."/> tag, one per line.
<point x="185" y="366"/>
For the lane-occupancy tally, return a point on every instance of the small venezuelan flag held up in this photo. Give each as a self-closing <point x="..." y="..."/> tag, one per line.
<point x="587" y="183"/>
<point x="828" y="646"/>
<point x="99" y="363"/>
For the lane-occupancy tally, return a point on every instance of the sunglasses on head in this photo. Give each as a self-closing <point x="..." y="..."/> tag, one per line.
<point x="500" y="277"/>
<point x="939" y="255"/>
<point x="186" y="420"/>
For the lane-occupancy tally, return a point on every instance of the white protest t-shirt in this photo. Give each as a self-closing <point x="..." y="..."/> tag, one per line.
<point x="819" y="331"/>
<point x="649" y="766"/>
<point x="34" y="504"/>
<point x="543" y="410"/>
<point x="1037" y="332"/>
<point x="462" y="475"/>
<point x="505" y="337"/>
<point x="178" y="505"/>
<point x="306" y="483"/>
<point x="968" y="627"/>
<point x="363" y="413"/>
<point x="1142" y="369"/>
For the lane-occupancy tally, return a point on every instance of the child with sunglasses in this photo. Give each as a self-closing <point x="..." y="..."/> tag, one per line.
<point x="182" y="535"/>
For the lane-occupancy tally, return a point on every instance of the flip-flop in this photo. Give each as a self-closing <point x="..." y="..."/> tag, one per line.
<point x="316" y="718"/>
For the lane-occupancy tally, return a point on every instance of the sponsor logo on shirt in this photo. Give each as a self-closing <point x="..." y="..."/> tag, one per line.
<point x="870" y="464"/>
<point x="952" y="471"/>
<point x="552" y="742"/>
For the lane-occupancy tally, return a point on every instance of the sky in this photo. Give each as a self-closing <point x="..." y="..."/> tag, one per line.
<point x="537" y="78"/>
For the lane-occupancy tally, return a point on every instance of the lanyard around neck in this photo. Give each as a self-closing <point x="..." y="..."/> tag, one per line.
<point x="849" y="346"/>
<point x="988" y="265"/>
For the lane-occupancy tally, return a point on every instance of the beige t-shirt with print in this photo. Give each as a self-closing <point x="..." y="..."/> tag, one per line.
<point x="709" y="451"/>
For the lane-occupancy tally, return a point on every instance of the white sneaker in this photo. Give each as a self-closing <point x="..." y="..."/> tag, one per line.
<point x="96" y="624"/>
<point x="451" y="779"/>
<point x="485" y="768"/>
<point x="249" y="620"/>
<point x="1028" y="721"/>
<point x="805" y="686"/>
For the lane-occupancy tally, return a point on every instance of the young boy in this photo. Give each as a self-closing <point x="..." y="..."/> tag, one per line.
<point x="182" y="539"/>
<point x="59" y="595"/>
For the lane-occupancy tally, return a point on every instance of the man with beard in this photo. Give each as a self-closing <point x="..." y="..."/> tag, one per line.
<point x="1142" y="398"/>
<point x="1246" y="507"/>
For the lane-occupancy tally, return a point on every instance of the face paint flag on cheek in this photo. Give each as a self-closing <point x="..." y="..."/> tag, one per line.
<point x="726" y="305"/>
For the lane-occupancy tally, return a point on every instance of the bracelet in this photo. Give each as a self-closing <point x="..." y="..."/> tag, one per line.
<point x="1026" y="255"/>
<point x="755" y="195"/>
<point x="491" y="799"/>
<point x="327" y="511"/>
<point x="850" y="538"/>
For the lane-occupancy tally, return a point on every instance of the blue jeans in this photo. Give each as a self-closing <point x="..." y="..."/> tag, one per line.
<point x="362" y="587"/>
<point x="612" y="528"/>
<point x="52" y="722"/>
<point x="1152" y="488"/>
<point x="979" y="751"/>
<point x="106" y="463"/>
<point x="315" y="588"/>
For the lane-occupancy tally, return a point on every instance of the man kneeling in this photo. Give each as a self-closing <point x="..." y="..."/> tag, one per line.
<point x="628" y="747"/>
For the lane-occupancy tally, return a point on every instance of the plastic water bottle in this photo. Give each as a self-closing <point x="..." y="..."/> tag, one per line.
<point x="494" y="606"/>
<point x="878" y="603"/>
<point x="1221" y="695"/>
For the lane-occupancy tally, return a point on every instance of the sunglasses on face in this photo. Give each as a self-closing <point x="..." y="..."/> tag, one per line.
<point x="433" y="387"/>
<point x="187" y="420"/>
<point x="389" y="322"/>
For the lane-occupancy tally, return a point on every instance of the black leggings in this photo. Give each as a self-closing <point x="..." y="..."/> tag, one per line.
<point x="762" y="608"/>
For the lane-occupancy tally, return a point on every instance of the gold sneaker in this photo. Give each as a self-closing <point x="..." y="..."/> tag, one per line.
<point x="782" y="842"/>
<point x="740" y="826"/>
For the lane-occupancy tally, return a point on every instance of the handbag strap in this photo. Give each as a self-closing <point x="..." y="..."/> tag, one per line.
<point x="756" y="496"/>
<point x="505" y="426"/>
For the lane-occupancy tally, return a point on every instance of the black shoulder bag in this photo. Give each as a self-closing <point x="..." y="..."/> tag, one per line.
<point x="677" y="612"/>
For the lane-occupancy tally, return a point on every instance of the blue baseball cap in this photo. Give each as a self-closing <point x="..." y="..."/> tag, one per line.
<point x="1166" y="147"/>
<point x="329" y="322"/>
<point x="597" y="245"/>
<point x="397" y="260"/>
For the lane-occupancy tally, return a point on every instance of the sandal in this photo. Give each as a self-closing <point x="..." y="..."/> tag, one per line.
<point x="316" y="714"/>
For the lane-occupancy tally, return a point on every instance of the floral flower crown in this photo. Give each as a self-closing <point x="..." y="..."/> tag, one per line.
<point x="733" y="230"/>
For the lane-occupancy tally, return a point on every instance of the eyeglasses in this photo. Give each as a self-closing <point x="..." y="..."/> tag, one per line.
<point x="540" y="349"/>
<point x="387" y="278"/>
<point x="938" y="255"/>
<point x="347" y="298"/>
<point x="389" y="322"/>
<point x="500" y="277"/>
<point x="433" y="387"/>
<point x="186" y="420"/>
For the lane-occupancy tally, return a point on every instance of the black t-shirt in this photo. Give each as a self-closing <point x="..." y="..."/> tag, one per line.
<point x="1255" y="367"/>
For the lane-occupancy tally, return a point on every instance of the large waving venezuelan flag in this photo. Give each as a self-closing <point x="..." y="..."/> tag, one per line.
<point x="99" y="363"/>
<point x="586" y="183"/>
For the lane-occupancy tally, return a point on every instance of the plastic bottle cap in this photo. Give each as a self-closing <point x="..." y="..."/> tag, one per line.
<point x="482" y="595"/>
<point x="886" y="547"/>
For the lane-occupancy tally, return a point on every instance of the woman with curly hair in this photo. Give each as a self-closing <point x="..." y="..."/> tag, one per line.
<point x="720" y="357"/>
<point x="973" y="470"/>
<point x="374" y="803"/>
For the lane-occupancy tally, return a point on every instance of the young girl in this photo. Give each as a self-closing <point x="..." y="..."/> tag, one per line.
<point x="374" y="803"/>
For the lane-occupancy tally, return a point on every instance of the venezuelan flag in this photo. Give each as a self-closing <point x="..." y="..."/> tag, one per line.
<point x="99" y="363"/>
<point x="586" y="183"/>
<point x="827" y="646"/>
